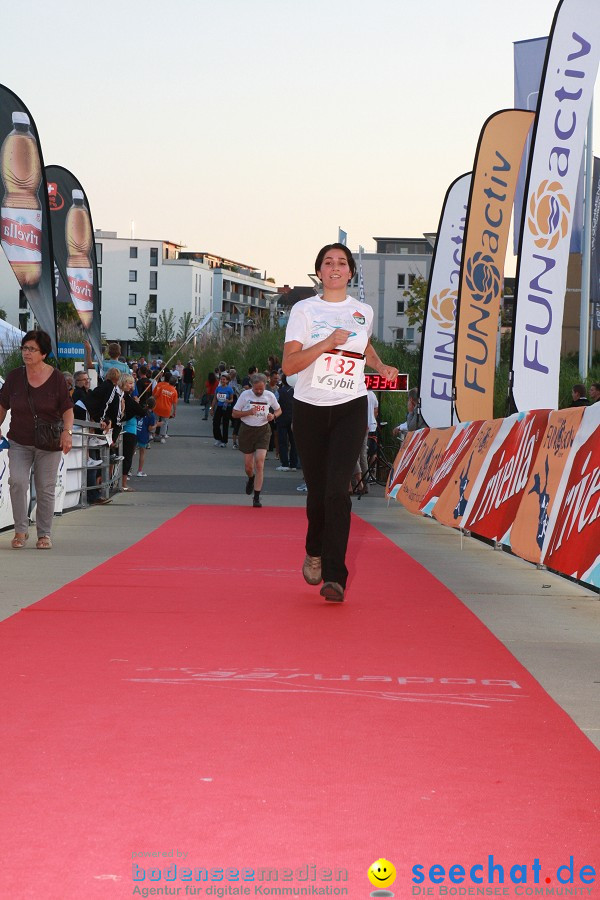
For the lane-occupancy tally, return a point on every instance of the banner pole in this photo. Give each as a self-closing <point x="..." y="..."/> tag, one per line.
<point x="196" y="331"/>
<point x="584" y="308"/>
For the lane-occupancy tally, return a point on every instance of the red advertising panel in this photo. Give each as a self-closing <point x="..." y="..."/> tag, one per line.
<point x="572" y="544"/>
<point x="404" y="460"/>
<point x="458" y="445"/>
<point x="497" y="494"/>
<point x="531" y="523"/>
<point x="453" y="500"/>
<point x="424" y="466"/>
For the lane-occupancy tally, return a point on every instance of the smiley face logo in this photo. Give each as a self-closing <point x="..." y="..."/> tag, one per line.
<point x="382" y="873"/>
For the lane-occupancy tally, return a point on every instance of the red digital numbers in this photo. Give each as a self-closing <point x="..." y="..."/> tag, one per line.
<point x="376" y="382"/>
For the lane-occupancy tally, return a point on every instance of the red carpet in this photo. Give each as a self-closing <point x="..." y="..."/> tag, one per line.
<point x="209" y="703"/>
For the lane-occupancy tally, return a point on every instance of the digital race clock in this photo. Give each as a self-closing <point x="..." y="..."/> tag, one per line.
<point x="379" y="383"/>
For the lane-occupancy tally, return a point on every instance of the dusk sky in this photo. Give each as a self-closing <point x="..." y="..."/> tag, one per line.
<point x="254" y="128"/>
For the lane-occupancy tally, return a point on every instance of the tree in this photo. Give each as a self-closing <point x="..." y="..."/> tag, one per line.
<point x="146" y="329"/>
<point x="416" y="296"/>
<point x="165" y="329"/>
<point x="2" y="314"/>
<point x="186" y="326"/>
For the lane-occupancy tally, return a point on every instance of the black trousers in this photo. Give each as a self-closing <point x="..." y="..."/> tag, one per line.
<point x="329" y="439"/>
<point x="221" y="420"/>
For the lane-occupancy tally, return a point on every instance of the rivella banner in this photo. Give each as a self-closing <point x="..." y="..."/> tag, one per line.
<point x="423" y="468"/>
<point x="495" y="173"/>
<point x="439" y="322"/>
<point x="24" y="226"/>
<point x="404" y="459"/>
<point x="458" y="446"/>
<point x="572" y="543"/>
<point x="529" y="528"/>
<point x="75" y="249"/>
<point x="557" y="149"/>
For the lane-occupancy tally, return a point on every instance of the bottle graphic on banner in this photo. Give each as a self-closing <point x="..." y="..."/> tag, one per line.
<point x="21" y="216"/>
<point x="78" y="232"/>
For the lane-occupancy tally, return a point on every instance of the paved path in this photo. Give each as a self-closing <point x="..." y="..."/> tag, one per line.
<point x="550" y="625"/>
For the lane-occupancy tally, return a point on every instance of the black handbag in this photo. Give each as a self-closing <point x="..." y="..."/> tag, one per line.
<point x="46" y="435"/>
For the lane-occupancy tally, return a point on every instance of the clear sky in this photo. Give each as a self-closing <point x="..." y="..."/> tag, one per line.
<point x="254" y="128"/>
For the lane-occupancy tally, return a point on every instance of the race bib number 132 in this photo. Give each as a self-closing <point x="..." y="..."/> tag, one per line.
<point x="339" y="372"/>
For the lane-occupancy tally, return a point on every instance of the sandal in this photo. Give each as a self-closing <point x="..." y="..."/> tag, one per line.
<point x="19" y="540"/>
<point x="44" y="543"/>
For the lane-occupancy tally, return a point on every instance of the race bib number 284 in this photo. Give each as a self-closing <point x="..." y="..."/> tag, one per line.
<point x="339" y="372"/>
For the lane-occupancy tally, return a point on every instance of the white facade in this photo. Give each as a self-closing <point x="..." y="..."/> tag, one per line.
<point x="134" y="272"/>
<point x="387" y="274"/>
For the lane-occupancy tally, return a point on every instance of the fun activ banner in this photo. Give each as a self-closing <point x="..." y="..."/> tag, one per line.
<point x="75" y="249"/>
<point x="557" y="148"/>
<point x="491" y="199"/>
<point x="529" y="528"/>
<point x="497" y="493"/>
<point x="24" y="225"/>
<point x="529" y="58"/>
<point x="572" y="543"/>
<point x="439" y="322"/>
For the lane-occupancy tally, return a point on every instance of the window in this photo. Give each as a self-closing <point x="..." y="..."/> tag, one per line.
<point x="401" y="280"/>
<point x="399" y="334"/>
<point x="99" y="254"/>
<point x="131" y="322"/>
<point x="410" y="334"/>
<point x="153" y="281"/>
<point x="153" y="256"/>
<point x="400" y="307"/>
<point x="99" y="278"/>
<point x="132" y="275"/>
<point x="133" y="299"/>
<point x="411" y="280"/>
<point x="22" y="301"/>
<point x="133" y="252"/>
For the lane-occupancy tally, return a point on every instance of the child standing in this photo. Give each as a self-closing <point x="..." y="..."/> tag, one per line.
<point x="146" y="425"/>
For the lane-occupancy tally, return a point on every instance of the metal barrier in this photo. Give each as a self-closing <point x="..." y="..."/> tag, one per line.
<point x="88" y="438"/>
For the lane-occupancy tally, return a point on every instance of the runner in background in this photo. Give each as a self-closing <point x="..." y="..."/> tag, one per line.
<point x="327" y="343"/>
<point x="257" y="408"/>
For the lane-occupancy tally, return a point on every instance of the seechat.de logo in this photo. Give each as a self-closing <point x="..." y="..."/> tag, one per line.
<point x="548" y="214"/>
<point x="482" y="277"/>
<point x="443" y="308"/>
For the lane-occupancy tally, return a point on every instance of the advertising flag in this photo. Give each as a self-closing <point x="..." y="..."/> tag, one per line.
<point x="572" y="543"/>
<point x="75" y="249"/>
<point x="439" y="322"/>
<point x="491" y="199"/>
<point x="497" y="493"/>
<point x="531" y="522"/>
<point x="24" y="225"/>
<point x="595" y="248"/>
<point x="557" y="149"/>
<point x="529" y="58"/>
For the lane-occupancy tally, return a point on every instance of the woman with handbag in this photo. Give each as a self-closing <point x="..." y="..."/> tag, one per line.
<point x="41" y="426"/>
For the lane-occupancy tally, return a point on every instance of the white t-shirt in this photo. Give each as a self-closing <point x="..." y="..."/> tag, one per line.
<point x="249" y="400"/>
<point x="313" y="319"/>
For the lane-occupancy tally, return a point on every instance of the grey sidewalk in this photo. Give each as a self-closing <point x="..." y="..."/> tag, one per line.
<point x="549" y="624"/>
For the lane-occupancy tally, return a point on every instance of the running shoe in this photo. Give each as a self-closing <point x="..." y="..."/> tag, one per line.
<point x="141" y="475"/>
<point x="333" y="591"/>
<point x="302" y="487"/>
<point x="311" y="570"/>
<point x="283" y="469"/>
<point x="256" y="503"/>
<point x="250" y="485"/>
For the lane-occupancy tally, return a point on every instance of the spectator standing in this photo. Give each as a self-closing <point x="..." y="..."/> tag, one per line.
<point x="288" y="455"/>
<point x="579" y="395"/>
<point x="114" y="361"/>
<point x="221" y="409"/>
<point x="594" y="391"/>
<point x="130" y="413"/>
<point x="187" y="378"/>
<point x="210" y="386"/>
